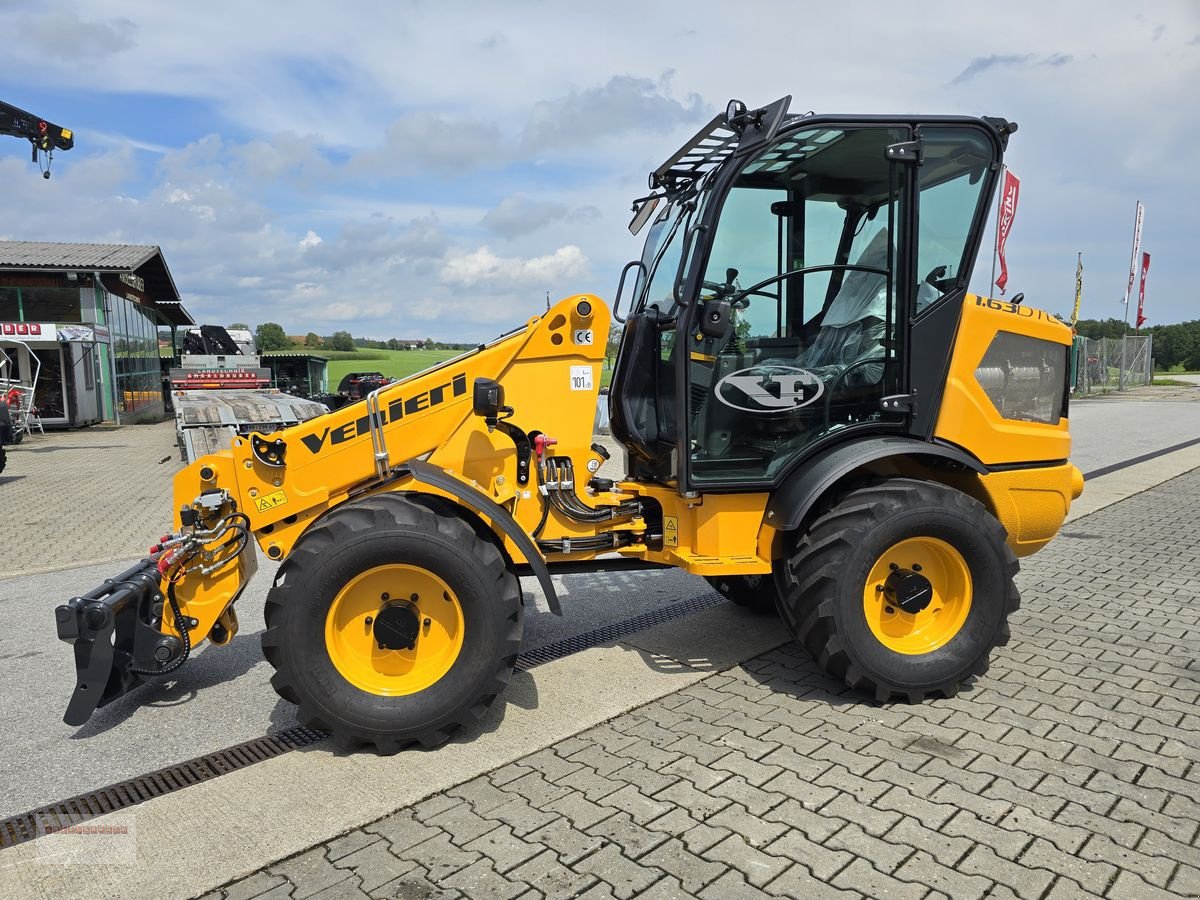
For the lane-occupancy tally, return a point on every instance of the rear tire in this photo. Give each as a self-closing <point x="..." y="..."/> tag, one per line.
<point x="322" y="638"/>
<point x="753" y="592"/>
<point x="837" y="593"/>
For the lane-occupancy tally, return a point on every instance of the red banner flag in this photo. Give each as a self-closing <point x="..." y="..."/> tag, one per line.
<point x="1141" y="319"/>
<point x="1007" y="212"/>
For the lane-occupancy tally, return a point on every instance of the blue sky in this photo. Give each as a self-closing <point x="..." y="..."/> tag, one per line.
<point x="428" y="169"/>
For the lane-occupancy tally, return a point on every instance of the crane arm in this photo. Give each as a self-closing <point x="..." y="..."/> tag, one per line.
<point x="44" y="136"/>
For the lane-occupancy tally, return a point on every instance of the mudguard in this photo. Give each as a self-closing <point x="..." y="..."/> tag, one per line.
<point x="796" y="496"/>
<point x="499" y="516"/>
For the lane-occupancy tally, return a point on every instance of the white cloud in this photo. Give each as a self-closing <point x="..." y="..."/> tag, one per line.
<point x="608" y="112"/>
<point x="60" y="32"/>
<point x="427" y="141"/>
<point x="520" y="214"/>
<point x="530" y="140"/>
<point x="484" y="269"/>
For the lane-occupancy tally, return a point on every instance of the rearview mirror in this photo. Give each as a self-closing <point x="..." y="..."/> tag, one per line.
<point x="643" y="214"/>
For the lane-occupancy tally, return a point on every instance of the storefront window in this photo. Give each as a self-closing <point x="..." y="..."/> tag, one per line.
<point x="10" y="304"/>
<point x="44" y="304"/>
<point x="134" y="344"/>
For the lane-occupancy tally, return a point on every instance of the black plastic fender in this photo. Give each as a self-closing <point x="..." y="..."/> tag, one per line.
<point x="486" y="506"/>
<point x="796" y="496"/>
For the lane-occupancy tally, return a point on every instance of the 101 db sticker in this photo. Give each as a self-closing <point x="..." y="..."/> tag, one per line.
<point x="581" y="378"/>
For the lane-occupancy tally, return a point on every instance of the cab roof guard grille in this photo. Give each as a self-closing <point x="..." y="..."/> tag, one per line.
<point x="733" y="131"/>
<point x="703" y="152"/>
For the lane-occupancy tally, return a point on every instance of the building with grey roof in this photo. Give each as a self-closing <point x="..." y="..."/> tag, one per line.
<point x="90" y="314"/>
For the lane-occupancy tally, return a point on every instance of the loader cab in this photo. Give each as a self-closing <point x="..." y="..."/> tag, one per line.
<point x="798" y="294"/>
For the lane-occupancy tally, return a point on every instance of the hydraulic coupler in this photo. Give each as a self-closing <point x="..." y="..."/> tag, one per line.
<point x="114" y="629"/>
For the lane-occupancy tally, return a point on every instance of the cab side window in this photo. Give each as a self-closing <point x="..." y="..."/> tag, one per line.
<point x="951" y="187"/>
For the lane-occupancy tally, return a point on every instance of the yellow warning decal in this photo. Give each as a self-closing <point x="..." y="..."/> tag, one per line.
<point x="670" y="531"/>
<point x="267" y="502"/>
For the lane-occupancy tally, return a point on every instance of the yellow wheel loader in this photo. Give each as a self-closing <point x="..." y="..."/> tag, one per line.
<point x="815" y="414"/>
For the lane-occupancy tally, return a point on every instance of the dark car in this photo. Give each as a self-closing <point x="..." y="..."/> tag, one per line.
<point x="357" y="385"/>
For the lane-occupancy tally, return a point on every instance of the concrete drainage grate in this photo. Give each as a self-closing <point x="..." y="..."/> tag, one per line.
<point x="27" y="826"/>
<point x="609" y="633"/>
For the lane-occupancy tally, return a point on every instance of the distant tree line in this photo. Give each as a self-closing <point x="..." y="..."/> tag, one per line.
<point x="1174" y="345"/>
<point x="270" y="336"/>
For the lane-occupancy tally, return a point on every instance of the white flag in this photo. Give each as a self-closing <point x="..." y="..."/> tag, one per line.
<point x="1133" y="259"/>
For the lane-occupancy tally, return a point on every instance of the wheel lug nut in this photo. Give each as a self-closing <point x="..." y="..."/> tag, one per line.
<point x="916" y="567"/>
<point x="370" y="619"/>
<point x="893" y="567"/>
<point x="385" y="596"/>
<point x="428" y="622"/>
<point x="414" y="598"/>
<point x="888" y="610"/>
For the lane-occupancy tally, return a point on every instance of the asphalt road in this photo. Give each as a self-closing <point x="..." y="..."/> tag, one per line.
<point x="222" y="696"/>
<point x="1110" y="430"/>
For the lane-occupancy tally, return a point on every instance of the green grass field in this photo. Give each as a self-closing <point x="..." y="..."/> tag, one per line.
<point x="392" y="363"/>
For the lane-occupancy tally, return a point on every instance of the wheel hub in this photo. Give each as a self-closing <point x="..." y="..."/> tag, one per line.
<point x="908" y="590"/>
<point x="396" y="627"/>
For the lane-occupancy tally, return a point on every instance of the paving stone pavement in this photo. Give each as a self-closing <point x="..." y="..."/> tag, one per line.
<point x="89" y="495"/>
<point x="1072" y="769"/>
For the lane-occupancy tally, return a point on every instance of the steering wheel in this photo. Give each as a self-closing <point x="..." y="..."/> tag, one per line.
<point x="741" y="299"/>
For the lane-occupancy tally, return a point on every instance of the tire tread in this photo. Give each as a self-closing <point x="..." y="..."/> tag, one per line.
<point x="810" y="573"/>
<point x="387" y="511"/>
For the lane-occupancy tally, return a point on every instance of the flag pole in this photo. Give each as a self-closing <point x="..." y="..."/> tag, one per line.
<point x="1133" y="259"/>
<point x="996" y="235"/>
<point x="1133" y="268"/>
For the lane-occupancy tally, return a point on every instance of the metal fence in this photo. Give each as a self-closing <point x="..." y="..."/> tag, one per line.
<point x="1113" y="364"/>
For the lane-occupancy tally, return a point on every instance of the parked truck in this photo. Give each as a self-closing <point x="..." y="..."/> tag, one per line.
<point x="220" y="391"/>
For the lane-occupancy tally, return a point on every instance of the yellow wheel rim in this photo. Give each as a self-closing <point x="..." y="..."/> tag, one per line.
<point x="352" y="645"/>
<point x="938" y="622"/>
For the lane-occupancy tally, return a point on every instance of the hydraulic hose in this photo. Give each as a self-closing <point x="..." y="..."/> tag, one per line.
<point x="181" y="627"/>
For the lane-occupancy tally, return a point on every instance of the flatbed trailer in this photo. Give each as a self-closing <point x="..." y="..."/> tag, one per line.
<point x="207" y="421"/>
<point x="220" y="390"/>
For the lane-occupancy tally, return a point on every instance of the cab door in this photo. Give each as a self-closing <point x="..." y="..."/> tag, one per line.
<point x="954" y="186"/>
<point x="811" y="250"/>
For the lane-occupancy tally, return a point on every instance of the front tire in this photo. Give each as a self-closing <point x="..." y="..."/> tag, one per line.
<point x="349" y="665"/>
<point x="901" y="588"/>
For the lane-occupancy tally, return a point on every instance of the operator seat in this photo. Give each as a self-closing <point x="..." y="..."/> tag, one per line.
<point x="854" y="326"/>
